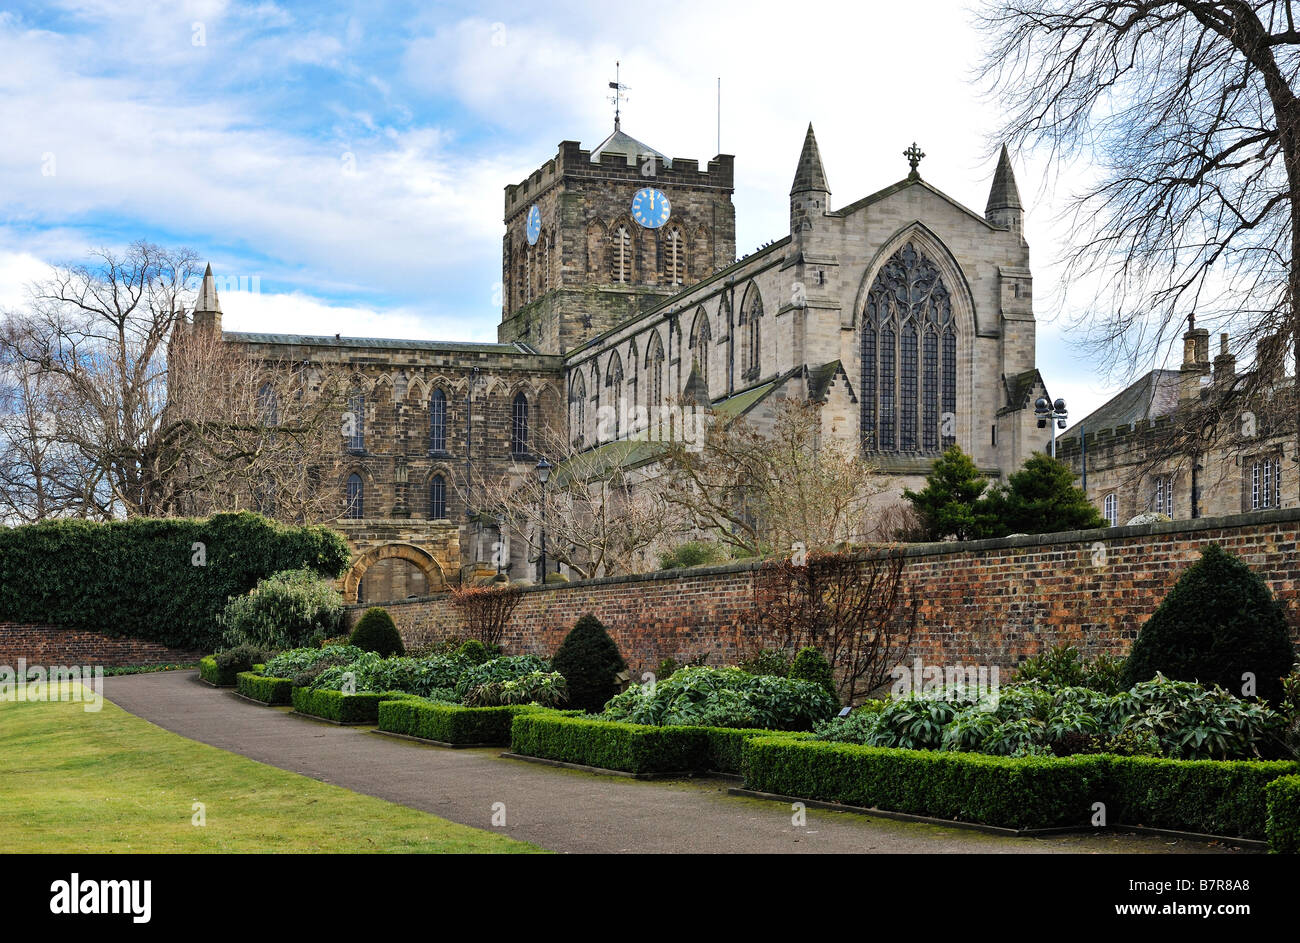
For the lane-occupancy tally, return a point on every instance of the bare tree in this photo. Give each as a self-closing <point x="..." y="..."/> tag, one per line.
<point x="760" y="489"/>
<point x="855" y="610"/>
<point x="1188" y="110"/>
<point x="600" y="510"/>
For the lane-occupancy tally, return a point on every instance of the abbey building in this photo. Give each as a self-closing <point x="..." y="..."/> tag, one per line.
<point x="908" y="315"/>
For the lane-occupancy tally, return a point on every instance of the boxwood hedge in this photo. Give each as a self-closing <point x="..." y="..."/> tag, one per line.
<point x="450" y="724"/>
<point x="210" y="672"/>
<point x="163" y="580"/>
<point x="1282" y="824"/>
<point x="259" y="687"/>
<point x="359" y="708"/>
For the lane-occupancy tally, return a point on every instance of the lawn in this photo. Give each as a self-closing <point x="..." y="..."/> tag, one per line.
<point x="110" y="782"/>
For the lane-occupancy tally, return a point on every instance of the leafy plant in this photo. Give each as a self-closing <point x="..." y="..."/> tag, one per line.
<point x="723" y="697"/>
<point x="811" y="665"/>
<point x="240" y="658"/>
<point x="285" y="610"/>
<point x="297" y="660"/>
<point x="506" y="668"/>
<point x="547" y="688"/>
<point x="767" y="661"/>
<point x="474" y="651"/>
<point x="692" y="553"/>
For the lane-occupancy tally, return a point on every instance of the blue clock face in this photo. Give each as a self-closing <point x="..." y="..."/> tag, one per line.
<point x="534" y="228"/>
<point x="651" y="208"/>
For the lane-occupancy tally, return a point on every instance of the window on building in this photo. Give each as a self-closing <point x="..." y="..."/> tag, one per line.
<point x="751" y="323"/>
<point x="519" y="426"/>
<point x="356" y="497"/>
<point x="438" y="498"/>
<point x="268" y="405"/>
<point x="1164" y="496"/>
<point x="438" y="421"/>
<point x="355" y="422"/>
<point x="908" y="348"/>
<point x="1266" y="483"/>
<point x="578" y="408"/>
<point x="614" y="380"/>
<point x="1110" y="509"/>
<point x="675" y="256"/>
<point x="701" y="339"/>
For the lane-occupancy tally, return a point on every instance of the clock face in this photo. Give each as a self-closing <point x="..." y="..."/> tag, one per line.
<point x="651" y="208"/>
<point x="534" y="228"/>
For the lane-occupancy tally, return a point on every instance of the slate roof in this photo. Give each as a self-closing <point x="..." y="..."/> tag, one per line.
<point x="1150" y="396"/>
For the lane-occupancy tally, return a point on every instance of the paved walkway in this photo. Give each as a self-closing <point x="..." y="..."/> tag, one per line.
<point x="563" y="810"/>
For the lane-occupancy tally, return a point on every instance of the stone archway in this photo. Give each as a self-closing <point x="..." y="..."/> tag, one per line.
<point x="421" y="559"/>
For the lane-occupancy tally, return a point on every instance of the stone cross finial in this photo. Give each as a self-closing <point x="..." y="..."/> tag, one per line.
<point x="914" y="156"/>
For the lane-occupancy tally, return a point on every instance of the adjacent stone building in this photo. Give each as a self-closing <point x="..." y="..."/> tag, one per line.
<point x="908" y="315"/>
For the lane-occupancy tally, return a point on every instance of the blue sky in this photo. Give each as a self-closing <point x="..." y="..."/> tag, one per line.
<point x="349" y="158"/>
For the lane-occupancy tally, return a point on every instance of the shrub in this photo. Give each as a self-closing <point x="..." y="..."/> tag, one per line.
<point x="375" y="632"/>
<point x="462" y="726"/>
<point x="811" y="665"/>
<point x="723" y="697"/>
<point x="505" y="668"/>
<point x="1021" y="793"/>
<point x="767" y="661"/>
<point x="285" y="610"/>
<point x="1218" y="622"/>
<point x="486" y="610"/>
<point x="627" y="747"/>
<point x="241" y="658"/>
<point x="692" y="553"/>
<point x="359" y="708"/>
<point x="473" y="651"/>
<point x="140" y="577"/>
<point x="590" y="662"/>
<point x="1282" y="824"/>
<point x="209" y="672"/>
<point x="259" y="687"/>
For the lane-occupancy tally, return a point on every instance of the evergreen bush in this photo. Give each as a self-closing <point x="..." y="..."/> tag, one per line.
<point x="590" y="662"/>
<point x="376" y="632"/>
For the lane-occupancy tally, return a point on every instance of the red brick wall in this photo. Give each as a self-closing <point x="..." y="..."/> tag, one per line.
<point x="50" y="645"/>
<point x="991" y="602"/>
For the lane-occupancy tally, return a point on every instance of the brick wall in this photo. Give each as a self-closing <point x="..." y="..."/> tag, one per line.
<point x="51" y="645"/>
<point x="992" y="602"/>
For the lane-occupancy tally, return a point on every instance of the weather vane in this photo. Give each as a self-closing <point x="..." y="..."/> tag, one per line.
<point x="914" y="156"/>
<point x="618" y="96"/>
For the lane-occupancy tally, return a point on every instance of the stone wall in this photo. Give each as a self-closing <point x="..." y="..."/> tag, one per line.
<point x="51" y="645"/>
<point x="992" y="602"/>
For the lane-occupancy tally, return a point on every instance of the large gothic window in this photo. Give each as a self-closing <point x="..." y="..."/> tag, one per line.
<point x="355" y="422"/>
<point x="701" y="339"/>
<point x="909" y="358"/>
<point x="438" y="421"/>
<point x="519" y="426"/>
<point x="577" y="409"/>
<point x="614" y="380"/>
<point x="655" y="367"/>
<point x="751" y="325"/>
<point x="356" y="494"/>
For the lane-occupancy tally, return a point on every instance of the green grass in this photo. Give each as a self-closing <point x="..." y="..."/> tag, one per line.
<point x="110" y="782"/>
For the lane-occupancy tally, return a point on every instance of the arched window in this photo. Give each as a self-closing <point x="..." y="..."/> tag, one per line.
<point x="578" y="409"/>
<point x="655" y="376"/>
<point x="356" y="497"/>
<point x="268" y="405"/>
<point x="519" y="426"/>
<point x="1110" y="508"/>
<point x="438" y="421"/>
<point x="701" y="339"/>
<point x="908" y="348"/>
<point x="675" y="256"/>
<point x="354" y="422"/>
<point x="614" y="380"/>
<point x="438" y="498"/>
<point x="546" y="264"/>
<point x="620" y="254"/>
<point x="751" y="322"/>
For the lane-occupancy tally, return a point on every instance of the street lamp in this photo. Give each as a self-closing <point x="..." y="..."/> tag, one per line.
<point x="543" y="474"/>
<point x="1052" y="414"/>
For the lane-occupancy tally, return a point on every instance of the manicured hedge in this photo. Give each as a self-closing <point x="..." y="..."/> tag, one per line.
<point x="259" y="687"/>
<point x="726" y="746"/>
<point x="632" y="748"/>
<point x="1208" y="796"/>
<point x="359" y="708"/>
<point x="1283" y="823"/>
<point x="450" y="724"/>
<point x="209" y="672"/>
<point x="1212" y="796"/>
<point x="141" y="577"/>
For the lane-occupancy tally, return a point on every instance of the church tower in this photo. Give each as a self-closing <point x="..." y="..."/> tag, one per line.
<point x="596" y="237"/>
<point x="207" y="307"/>
<point x="1004" y="209"/>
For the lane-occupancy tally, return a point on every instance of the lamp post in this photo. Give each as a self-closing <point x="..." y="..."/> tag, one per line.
<point x="543" y="474"/>
<point x="1053" y="414"/>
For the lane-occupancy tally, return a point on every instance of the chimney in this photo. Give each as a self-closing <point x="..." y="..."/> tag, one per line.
<point x="1225" y="365"/>
<point x="1270" y="358"/>
<point x="1196" y="360"/>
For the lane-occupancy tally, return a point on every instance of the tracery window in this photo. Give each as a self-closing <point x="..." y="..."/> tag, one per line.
<point x="751" y="325"/>
<point x="614" y="380"/>
<point x="438" y="421"/>
<point x="701" y="339"/>
<point x="908" y="347"/>
<point x="578" y="408"/>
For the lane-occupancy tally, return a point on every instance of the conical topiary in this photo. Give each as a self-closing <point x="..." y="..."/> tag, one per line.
<point x="375" y="632"/>
<point x="1218" y="623"/>
<point x="811" y="665"/>
<point x="590" y="662"/>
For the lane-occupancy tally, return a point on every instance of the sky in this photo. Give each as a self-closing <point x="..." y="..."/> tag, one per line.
<point x="345" y="162"/>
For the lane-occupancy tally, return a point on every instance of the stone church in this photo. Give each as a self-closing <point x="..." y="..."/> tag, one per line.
<point x="908" y="315"/>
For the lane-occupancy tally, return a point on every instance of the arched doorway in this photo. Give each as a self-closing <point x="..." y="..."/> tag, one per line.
<point x="392" y="568"/>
